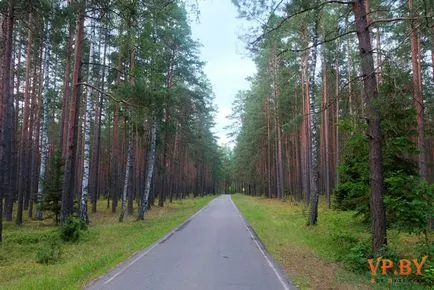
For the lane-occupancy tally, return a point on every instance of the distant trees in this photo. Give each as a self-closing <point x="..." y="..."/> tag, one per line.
<point x="316" y="107"/>
<point x="90" y="91"/>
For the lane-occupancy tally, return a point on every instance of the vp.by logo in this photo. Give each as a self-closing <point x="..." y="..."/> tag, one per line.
<point x="402" y="268"/>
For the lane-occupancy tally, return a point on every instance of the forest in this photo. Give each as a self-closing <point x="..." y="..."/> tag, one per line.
<point x="102" y="99"/>
<point x="341" y="105"/>
<point x="107" y="116"/>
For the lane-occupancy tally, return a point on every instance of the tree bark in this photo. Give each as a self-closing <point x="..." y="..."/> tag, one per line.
<point x="127" y="183"/>
<point x="87" y="130"/>
<point x="23" y="162"/>
<point x="150" y="169"/>
<point x="417" y="91"/>
<point x="378" y="215"/>
<point x="74" y="110"/>
<point x="44" y="131"/>
<point x="314" y="153"/>
<point x="6" y="101"/>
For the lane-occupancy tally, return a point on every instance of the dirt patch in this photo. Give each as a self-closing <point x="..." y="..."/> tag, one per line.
<point x="308" y="271"/>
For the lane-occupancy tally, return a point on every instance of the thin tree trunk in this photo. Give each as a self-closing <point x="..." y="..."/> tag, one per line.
<point x="97" y="141"/>
<point x="417" y="91"/>
<point x="314" y="176"/>
<point x="87" y="129"/>
<point x="66" y="90"/>
<point x="150" y="169"/>
<point x="336" y="128"/>
<point x="44" y="132"/>
<point x="23" y="162"/>
<point x="128" y="170"/>
<point x="269" y="193"/>
<point x="378" y="215"/>
<point x="326" y="134"/>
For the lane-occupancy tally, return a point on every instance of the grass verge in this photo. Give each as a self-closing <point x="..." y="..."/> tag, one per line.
<point x="312" y="256"/>
<point x="106" y="244"/>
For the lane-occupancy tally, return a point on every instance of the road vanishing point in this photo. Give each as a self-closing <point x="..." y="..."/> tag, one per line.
<point x="214" y="249"/>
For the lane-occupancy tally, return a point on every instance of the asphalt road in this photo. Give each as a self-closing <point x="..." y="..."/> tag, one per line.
<point x="213" y="250"/>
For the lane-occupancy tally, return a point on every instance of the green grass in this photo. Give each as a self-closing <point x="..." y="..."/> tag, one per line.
<point x="311" y="256"/>
<point x="106" y="244"/>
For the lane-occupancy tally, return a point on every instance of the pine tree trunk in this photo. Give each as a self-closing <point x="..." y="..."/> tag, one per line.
<point x="6" y="124"/>
<point x="66" y="90"/>
<point x="74" y="110"/>
<point x="337" y="108"/>
<point x="378" y="215"/>
<point x="417" y="91"/>
<point x="326" y="134"/>
<point x="23" y="162"/>
<point x="269" y="192"/>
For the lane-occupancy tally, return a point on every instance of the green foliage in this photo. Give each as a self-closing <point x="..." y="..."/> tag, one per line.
<point x="410" y="202"/>
<point x="49" y="252"/>
<point x="53" y="186"/>
<point x="72" y="230"/>
<point x="408" y="199"/>
<point x="357" y="256"/>
<point x="426" y="249"/>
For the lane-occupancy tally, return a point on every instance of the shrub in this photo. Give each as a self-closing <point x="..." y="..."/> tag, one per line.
<point x="426" y="249"/>
<point x="72" y="229"/>
<point x="53" y="186"/>
<point x="49" y="252"/>
<point x="356" y="259"/>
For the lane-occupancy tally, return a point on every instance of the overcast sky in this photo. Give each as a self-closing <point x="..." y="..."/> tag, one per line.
<point x="226" y="66"/>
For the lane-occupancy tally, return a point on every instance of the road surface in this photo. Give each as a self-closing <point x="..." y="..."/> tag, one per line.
<point x="213" y="250"/>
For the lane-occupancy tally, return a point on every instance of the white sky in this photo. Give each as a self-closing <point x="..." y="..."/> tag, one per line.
<point x="226" y="64"/>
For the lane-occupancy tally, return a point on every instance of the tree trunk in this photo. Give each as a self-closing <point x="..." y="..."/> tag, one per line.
<point x="23" y="162"/>
<point x="417" y="91"/>
<point x="97" y="134"/>
<point x="87" y="130"/>
<point x="150" y="169"/>
<point x="127" y="183"/>
<point x="314" y="175"/>
<point x="74" y="110"/>
<point x="66" y="90"/>
<point x="378" y="215"/>
<point x="6" y="124"/>
<point x="326" y="134"/>
<point x="44" y="131"/>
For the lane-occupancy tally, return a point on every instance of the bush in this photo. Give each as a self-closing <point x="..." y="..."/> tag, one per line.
<point x="72" y="229"/>
<point x="53" y="186"/>
<point x="426" y="249"/>
<point x="345" y="241"/>
<point x="49" y="252"/>
<point x="409" y="204"/>
<point x="357" y="256"/>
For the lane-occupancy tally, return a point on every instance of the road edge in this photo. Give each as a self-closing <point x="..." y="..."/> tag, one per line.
<point x="117" y="270"/>
<point x="275" y="266"/>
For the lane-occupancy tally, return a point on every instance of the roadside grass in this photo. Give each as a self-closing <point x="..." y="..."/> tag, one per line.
<point x="312" y="256"/>
<point x="106" y="244"/>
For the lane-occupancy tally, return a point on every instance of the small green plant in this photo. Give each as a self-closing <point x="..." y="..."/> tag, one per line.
<point x="49" y="252"/>
<point x="53" y="187"/>
<point x="357" y="256"/>
<point x="72" y="229"/>
<point x="346" y="241"/>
